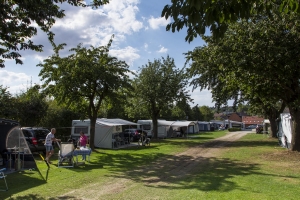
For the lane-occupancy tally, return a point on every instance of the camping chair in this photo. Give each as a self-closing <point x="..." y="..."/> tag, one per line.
<point x="2" y="175"/>
<point x="65" y="155"/>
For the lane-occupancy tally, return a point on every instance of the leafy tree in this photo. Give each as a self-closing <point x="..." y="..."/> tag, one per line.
<point x="197" y="15"/>
<point x="60" y="117"/>
<point x="84" y="79"/>
<point x="7" y="104"/>
<point x="158" y="86"/>
<point x="31" y="106"/>
<point x="197" y="115"/>
<point x="207" y="113"/>
<point x="18" y="19"/>
<point x="256" y="60"/>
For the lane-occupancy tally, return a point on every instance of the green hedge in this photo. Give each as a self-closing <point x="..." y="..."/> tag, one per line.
<point x="234" y="129"/>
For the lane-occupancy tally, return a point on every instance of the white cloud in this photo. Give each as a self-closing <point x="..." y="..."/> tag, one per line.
<point x="15" y="81"/>
<point x="91" y="26"/>
<point x="162" y="50"/>
<point x="127" y="54"/>
<point x="146" y="46"/>
<point x="155" y="23"/>
<point x="202" y="97"/>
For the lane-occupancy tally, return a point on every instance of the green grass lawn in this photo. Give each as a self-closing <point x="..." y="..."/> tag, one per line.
<point x="254" y="167"/>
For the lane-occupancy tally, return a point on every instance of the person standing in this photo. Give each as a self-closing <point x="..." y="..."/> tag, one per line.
<point x="48" y="144"/>
<point x="83" y="142"/>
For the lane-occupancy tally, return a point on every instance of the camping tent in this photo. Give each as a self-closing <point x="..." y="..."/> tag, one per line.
<point x="285" y="130"/>
<point x="5" y="127"/>
<point x="14" y="147"/>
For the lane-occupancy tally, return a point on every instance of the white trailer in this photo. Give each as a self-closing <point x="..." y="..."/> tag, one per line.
<point x="162" y="127"/>
<point x="167" y="129"/>
<point x="108" y="132"/>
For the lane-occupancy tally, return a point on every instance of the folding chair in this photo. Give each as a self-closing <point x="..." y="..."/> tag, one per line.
<point x="65" y="155"/>
<point x="2" y="175"/>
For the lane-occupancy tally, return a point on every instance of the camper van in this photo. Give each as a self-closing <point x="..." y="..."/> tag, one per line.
<point x="147" y="126"/>
<point x="107" y="131"/>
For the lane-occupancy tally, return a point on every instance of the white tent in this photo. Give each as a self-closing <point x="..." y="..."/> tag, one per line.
<point x="285" y="130"/>
<point x="107" y="131"/>
<point x="167" y="129"/>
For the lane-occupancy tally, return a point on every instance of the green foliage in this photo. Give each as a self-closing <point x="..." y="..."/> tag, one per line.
<point x="158" y="86"/>
<point x="256" y="61"/>
<point x="19" y="19"/>
<point x="206" y="113"/>
<point x="60" y="117"/>
<point x="234" y="129"/>
<point x="197" y="15"/>
<point x="31" y="106"/>
<point x="84" y="79"/>
<point x="7" y="104"/>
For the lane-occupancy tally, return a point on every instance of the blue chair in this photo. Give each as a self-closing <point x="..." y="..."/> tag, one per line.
<point x="2" y="175"/>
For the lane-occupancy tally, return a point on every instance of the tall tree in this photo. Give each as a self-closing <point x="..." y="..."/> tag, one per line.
<point x="197" y="15"/>
<point x="259" y="59"/>
<point x="7" y="104"/>
<point x="19" y="19"/>
<point x="206" y="113"/>
<point x="84" y="79"/>
<point x="31" y="106"/>
<point x="160" y="84"/>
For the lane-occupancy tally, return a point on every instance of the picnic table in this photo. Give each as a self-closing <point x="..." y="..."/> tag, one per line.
<point x="82" y="151"/>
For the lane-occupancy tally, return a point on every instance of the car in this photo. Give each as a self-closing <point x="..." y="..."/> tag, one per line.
<point x="35" y="137"/>
<point x="134" y="134"/>
<point x="251" y="127"/>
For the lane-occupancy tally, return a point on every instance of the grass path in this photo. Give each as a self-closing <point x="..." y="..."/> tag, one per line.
<point x="161" y="173"/>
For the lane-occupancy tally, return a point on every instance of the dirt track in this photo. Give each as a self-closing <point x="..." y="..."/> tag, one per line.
<point x="163" y="171"/>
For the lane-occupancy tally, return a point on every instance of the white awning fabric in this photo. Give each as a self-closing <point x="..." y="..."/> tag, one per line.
<point x="113" y="122"/>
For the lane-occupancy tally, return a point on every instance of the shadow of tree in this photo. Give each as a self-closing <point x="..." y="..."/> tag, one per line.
<point x="146" y="164"/>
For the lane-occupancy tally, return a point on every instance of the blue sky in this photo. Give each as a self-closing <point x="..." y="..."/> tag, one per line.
<point x="139" y="35"/>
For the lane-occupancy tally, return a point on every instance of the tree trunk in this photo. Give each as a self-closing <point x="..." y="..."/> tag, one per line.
<point x="154" y="123"/>
<point x="274" y="128"/>
<point x="295" y="144"/>
<point x="92" y="132"/>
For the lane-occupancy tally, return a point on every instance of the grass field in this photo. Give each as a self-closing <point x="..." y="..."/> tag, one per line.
<point x="254" y="167"/>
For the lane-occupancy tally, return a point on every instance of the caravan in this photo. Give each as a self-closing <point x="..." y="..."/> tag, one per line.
<point x="168" y="129"/>
<point x="163" y="127"/>
<point x="108" y="132"/>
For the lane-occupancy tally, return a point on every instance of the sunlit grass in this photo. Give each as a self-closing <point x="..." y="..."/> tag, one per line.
<point x="251" y="168"/>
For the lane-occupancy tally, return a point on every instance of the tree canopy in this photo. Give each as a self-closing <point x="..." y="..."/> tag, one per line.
<point x="256" y="61"/>
<point x="198" y="15"/>
<point x="19" y="19"/>
<point x="84" y="79"/>
<point x="158" y="86"/>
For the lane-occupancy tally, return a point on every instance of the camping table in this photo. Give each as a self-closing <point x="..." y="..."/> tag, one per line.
<point x="82" y="151"/>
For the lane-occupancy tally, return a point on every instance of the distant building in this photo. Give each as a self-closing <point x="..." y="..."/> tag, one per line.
<point x="252" y="120"/>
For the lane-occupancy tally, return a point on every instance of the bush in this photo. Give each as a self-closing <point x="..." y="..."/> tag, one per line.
<point x="234" y="129"/>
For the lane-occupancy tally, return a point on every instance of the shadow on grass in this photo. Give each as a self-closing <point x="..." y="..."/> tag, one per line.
<point x="39" y="197"/>
<point x="142" y="165"/>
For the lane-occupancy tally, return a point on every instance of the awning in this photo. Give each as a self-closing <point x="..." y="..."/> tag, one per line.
<point x="113" y="122"/>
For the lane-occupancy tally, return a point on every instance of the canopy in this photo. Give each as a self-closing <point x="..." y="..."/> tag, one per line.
<point x="182" y="123"/>
<point x="113" y="122"/>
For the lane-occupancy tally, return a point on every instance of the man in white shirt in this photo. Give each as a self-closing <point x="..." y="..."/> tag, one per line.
<point x="48" y="144"/>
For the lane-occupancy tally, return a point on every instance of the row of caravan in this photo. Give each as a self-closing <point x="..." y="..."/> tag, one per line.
<point x="107" y="131"/>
